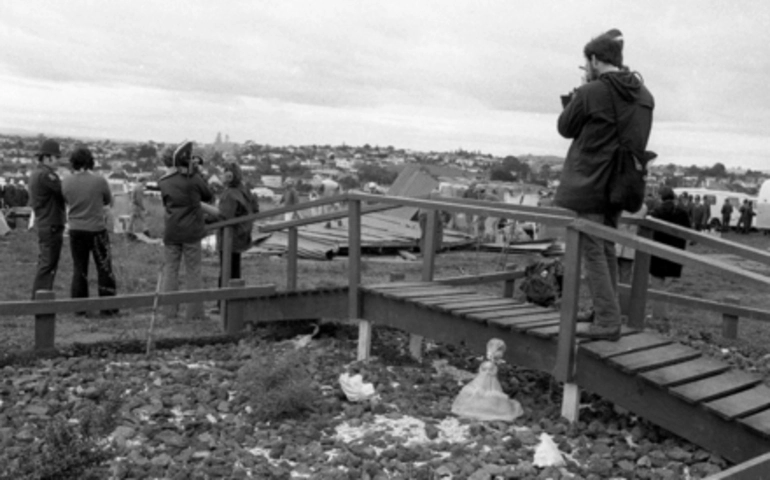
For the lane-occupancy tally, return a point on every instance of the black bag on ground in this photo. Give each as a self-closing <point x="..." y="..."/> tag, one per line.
<point x="543" y="282"/>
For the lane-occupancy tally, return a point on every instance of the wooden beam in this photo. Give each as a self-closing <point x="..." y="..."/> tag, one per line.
<point x="354" y="280"/>
<point x="235" y="319"/>
<point x="758" y="468"/>
<point x="45" y="324"/>
<point x="493" y="210"/>
<point x="326" y="217"/>
<point x="227" y="264"/>
<point x="41" y="307"/>
<point x="640" y="280"/>
<point x="506" y="206"/>
<point x="683" y="257"/>
<point x="565" y="363"/>
<point x="428" y="250"/>
<point x="291" y="260"/>
<point x="495" y="277"/>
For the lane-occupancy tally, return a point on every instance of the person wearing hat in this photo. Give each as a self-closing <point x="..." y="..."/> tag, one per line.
<point x="87" y="195"/>
<point x="185" y="197"/>
<point x="47" y="202"/>
<point x="611" y="105"/>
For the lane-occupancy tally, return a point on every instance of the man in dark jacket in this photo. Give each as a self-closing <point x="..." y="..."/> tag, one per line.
<point x="47" y="201"/>
<point x="184" y="194"/>
<point x="612" y="101"/>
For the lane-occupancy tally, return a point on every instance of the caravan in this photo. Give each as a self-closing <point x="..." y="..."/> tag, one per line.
<point x="762" y="220"/>
<point x="716" y="199"/>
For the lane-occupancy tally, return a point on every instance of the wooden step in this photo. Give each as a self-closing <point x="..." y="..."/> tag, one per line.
<point x="759" y="423"/>
<point x="627" y="344"/>
<point x="464" y="297"/>
<point x="484" y="309"/>
<point x="513" y="312"/>
<point x="397" y="285"/>
<point x="742" y="404"/>
<point x="490" y="301"/>
<point x="715" y="387"/>
<point x="521" y="320"/>
<point x="654" y="358"/>
<point x="428" y="293"/>
<point x="685" y="372"/>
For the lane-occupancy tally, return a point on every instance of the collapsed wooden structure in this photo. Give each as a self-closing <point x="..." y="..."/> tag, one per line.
<point x="723" y="410"/>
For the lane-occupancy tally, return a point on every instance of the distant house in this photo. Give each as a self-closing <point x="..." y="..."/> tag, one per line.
<point x="272" y="181"/>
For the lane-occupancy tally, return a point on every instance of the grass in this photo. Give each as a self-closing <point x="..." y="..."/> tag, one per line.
<point x="137" y="265"/>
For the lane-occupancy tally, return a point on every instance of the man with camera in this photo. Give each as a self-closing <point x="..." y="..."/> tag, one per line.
<point x="612" y="104"/>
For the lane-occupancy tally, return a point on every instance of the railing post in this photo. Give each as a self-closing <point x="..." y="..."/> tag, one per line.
<point x="508" y="285"/>
<point x="291" y="263"/>
<point x="565" y="358"/>
<point x="428" y="248"/>
<point x="729" y="321"/>
<point x="354" y="279"/>
<point x="45" y="324"/>
<point x="639" y="283"/>
<point x="227" y="269"/>
<point x="235" y="321"/>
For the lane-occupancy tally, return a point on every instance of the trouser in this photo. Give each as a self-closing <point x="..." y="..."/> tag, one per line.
<point x="726" y="223"/>
<point x="235" y="266"/>
<point x="50" y="240"/>
<point x="601" y="268"/>
<point x="83" y="245"/>
<point x="174" y="254"/>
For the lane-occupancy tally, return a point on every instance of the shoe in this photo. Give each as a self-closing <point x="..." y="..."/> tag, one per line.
<point x="586" y="316"/>
<point x="610" y="333"/>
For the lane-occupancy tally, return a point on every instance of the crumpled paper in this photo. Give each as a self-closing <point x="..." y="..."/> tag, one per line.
<point x="547" y="453"/>
<point x="355" y="389"/>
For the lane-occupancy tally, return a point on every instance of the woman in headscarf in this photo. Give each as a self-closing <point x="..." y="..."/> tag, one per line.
<point x="236" y="201"/>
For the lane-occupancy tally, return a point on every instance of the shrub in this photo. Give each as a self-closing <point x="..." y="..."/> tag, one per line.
<point x="277" y="386"/>
<point x="70" y="450"/>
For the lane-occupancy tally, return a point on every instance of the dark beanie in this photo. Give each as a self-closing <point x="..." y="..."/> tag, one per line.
<point x="666" y="193"/>
<point x="607" y="47"/>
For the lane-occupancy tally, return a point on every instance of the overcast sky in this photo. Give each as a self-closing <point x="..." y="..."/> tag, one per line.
<point x="430" y="75"/>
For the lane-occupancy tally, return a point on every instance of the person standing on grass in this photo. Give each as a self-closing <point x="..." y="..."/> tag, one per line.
<point x="696" y="218"/>
<point x="185" y="195"/>
<point x="727" y="212"/>
<point x="137" y="224"/>
<point x="87" y="195"/>
<point x="590" y="118"/>
<point x="47" y="202"/>
<point x="236" y="201"/>
<point x="660" y="268"/>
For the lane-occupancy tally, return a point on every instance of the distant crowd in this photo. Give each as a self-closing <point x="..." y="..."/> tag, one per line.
<point x="699" y="212"/>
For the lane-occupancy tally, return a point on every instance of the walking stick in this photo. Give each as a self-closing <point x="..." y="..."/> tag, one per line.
<point x="154" y="311"/>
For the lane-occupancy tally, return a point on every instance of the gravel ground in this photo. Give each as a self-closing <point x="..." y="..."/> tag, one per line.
<point x="186" y="412"/>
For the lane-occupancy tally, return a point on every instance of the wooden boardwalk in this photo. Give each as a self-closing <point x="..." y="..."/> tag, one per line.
<point x="704" y="400"/>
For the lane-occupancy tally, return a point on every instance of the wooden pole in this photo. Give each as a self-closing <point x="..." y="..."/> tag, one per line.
<point x="565" y="357"/>
<point x="729" y="321"/>
<point x="291" y="260"/>
<point x="429" y="248"/>
<point x="508" y="285"/>
<point x="354" y="280"/>
<point x="227" y="269"/>
<point x="640" y="280"/>
<point x="235" y="321"/>
<point x="45" y="325"/>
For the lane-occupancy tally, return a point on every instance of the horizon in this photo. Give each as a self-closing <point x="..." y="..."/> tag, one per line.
<point x="425" y="76"/>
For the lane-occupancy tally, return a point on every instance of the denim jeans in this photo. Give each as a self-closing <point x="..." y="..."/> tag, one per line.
<point x="50" y="240"/>
<point x="174" y="254"/>
<point x="84" y="244"/>
<point x="601" y="268"/>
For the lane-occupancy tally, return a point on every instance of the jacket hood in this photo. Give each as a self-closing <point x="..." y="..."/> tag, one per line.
<point x="628" y="85"/>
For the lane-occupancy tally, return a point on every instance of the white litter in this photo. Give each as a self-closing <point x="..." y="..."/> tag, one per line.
<point x="547" y="454"/>
<point x="355" y="389"/>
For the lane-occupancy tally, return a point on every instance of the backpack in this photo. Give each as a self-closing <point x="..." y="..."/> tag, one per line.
<point x="543" y="282"/>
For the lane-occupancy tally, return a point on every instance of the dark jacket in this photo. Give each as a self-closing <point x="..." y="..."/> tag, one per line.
<point x="182" y="196"/>
<point x="669" y="211"/>
<point x="238" y="202"/>
<point x="589" y="119"/>
<point x="46" y="198"/>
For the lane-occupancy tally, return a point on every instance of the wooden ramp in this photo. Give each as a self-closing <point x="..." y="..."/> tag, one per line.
<point x="704" y="400"/>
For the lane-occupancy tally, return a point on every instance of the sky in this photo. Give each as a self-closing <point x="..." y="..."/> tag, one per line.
<point x="481" y="75"/>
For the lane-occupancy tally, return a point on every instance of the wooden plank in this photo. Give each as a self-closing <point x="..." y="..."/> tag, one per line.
<point x="397" y="285"/>
<point x="426" y="293"/>
<point x="524" y="319"/>
<point x="758" y="468"/>
<point x="536" y="324"/>
<point x="685" y="372"/>
<point x="627" y="344"/>
<point x="124" y="302"/>
<point x="415" y="288"/>
<point x="742" y="404"/>
<point x="715" y="387"/>
<point x="490" y="301"/>
<point x="759" y="423"/>
<point x="511" y="312"/>
<point x="564" y="370"/>
<point x="485" y="308"/>
<point x="441" y="301"/>
<point x="655" y="357"/>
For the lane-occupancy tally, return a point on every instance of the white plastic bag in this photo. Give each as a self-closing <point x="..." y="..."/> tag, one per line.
<point x="355" y="389"/>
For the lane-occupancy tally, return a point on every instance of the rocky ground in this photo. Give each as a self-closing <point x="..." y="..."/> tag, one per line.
<point x="208" y="412"/>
